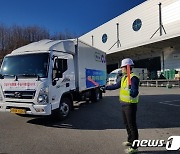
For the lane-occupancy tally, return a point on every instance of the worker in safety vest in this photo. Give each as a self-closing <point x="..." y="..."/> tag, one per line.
<point x="129" y="98"/>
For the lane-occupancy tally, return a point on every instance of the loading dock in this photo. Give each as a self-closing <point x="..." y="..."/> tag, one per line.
<point x="151" y="38"/>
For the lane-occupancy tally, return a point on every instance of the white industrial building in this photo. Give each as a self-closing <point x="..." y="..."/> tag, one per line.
<point x="149" y="34"/>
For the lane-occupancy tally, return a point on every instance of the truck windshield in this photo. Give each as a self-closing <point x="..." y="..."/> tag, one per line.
<point x="26" y="65"/>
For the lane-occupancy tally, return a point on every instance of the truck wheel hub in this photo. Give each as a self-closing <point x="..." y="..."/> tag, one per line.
<point x="64" y="109"/>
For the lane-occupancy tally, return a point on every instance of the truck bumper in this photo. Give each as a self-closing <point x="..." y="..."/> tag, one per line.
<point x="30" y="108"/>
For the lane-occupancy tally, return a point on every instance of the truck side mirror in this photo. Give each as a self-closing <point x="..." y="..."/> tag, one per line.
<point x="55" y="77"/>
<point x="60" y="66"/>
<point x="58" y="75"/>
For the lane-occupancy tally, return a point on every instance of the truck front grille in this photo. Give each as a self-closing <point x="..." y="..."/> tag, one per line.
<point x="19" y="94"/>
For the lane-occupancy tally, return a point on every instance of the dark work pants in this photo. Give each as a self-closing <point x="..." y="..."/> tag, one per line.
<point x="129" y="118"/>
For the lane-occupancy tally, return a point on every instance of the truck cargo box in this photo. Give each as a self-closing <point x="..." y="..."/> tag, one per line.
<point x="92" y="67"/>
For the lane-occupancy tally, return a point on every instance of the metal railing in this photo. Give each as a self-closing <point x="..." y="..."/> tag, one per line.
<point x="160" y="83"/>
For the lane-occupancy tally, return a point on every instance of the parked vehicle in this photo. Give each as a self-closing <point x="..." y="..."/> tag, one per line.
<point x="115" y="76"/>
<point x="47" y="76"/>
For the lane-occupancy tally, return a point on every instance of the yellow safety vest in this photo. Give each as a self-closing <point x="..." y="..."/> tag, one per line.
<point x="125" y="91"/>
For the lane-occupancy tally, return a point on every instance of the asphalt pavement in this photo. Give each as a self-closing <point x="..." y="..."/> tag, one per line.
<point x="94" y="128"/>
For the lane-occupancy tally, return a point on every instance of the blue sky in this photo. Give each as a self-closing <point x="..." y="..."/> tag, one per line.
<point x="75" y="16"/>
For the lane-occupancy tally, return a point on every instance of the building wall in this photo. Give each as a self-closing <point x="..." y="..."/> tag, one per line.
<point x="148" y="12"/>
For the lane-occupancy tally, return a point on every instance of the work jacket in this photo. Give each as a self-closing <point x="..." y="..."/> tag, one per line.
<point x="125" y="91"/>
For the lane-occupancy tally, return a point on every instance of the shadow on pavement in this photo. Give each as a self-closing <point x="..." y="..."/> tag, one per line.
<point x="89" y="116"/>
<point x="106" y="114"/>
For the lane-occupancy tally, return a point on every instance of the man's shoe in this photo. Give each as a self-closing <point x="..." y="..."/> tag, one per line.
<point x="131" y="151"/>
<point x="126" y="143"/>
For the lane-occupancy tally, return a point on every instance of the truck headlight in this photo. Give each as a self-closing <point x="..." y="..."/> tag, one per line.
<point x="42" y="99"/>
<point x="43" y="96"/>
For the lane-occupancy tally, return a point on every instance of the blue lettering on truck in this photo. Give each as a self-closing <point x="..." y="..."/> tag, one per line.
<point x="95" y="78"/>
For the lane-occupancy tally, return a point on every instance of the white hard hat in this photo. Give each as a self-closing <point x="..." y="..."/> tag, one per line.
<point x="127" y="61"/>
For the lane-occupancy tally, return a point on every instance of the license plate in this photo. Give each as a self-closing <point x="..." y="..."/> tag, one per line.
<point x="18" y="111"/>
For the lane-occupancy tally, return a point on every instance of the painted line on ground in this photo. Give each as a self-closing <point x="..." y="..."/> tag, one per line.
<point x="167" y="103"/>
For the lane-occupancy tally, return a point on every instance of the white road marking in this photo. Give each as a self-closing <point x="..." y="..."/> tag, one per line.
<point x="167" y="103"/>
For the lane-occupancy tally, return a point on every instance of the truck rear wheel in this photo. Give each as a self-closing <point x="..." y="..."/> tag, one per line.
<point x="96" y="95"/>
<point x="64" y="109"/>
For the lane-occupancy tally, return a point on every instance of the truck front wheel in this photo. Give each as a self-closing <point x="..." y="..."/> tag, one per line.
<point x="64" y="109"/>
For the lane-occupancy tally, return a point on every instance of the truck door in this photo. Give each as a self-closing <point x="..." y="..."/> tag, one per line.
<point x="59" y="85"/>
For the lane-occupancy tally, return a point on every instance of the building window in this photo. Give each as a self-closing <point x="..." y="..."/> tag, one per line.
<point x="104" y="38"/>
<point x="137" y="25"/>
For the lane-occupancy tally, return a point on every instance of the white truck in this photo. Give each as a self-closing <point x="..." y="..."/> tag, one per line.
<point x="114" y="76"/>
<point x="45" y="77"/>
